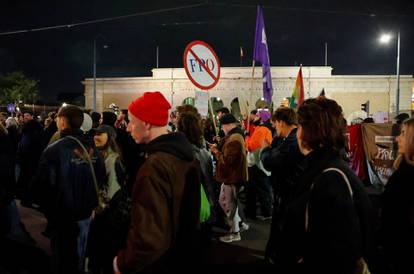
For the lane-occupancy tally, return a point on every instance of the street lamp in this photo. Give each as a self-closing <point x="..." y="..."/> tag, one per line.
<point x="94" y="69"/>
<point x="385" y="39"/>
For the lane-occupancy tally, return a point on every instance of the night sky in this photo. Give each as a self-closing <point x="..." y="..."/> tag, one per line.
<point x="296" y="30"/>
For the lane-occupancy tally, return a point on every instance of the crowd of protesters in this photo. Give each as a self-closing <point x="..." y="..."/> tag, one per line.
<point x="123" y="192"/>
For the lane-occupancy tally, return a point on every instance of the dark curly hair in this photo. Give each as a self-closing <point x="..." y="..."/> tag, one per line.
<point x="189" y="123"/>
<point x="185" y="108"/>
<point x="322" y="124"/>
<point x="286" y="115"/>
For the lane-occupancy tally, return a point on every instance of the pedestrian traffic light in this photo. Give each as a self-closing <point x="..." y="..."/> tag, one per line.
<point x="365" y="107"/>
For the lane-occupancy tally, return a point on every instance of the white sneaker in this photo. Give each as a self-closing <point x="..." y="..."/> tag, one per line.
<point x="231" y="237"/>
<point x="244" y="227"/>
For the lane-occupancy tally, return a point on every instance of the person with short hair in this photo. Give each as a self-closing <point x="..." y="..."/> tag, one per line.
<point x="282" y="157"/>
<point x="108" y="118"/>
<point x="66" y="192"/>
<point x="96" y="119"/>
<point x="220" y="135"/>
<point x="248" y="123"/>
<point x="163" y="234"/>
<point x="28" y="115"/>
<point x="7" y="182"/>
<point x="222" y="111"/>
<point x="30" y="147"/>
<point x="397" y="215"/>
<point x="400" y="118"/>
<point x="231" y="172"/>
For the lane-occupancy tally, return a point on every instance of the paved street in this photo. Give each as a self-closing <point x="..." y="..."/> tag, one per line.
<point x="245" y="256"/>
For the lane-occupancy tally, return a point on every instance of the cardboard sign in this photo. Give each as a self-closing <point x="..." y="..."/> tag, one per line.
<point x="201" y="102"/>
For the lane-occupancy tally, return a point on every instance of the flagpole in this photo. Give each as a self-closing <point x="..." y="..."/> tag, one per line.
<point x="243" y="104"/>
<point x="241" y="56"/>
<point x="157" y="55"/>
<point x="210" y="103"/>
<point x="309" y="81"/>
<point x="251" y="90"/>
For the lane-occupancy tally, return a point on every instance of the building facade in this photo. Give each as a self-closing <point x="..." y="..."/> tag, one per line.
<point x="350" y="91"/>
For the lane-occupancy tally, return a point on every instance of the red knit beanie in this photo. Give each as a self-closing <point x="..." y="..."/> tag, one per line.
<point x="152" y="107"/>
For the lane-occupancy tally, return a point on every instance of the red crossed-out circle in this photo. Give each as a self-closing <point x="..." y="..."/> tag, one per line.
<point x="188" y="49"/>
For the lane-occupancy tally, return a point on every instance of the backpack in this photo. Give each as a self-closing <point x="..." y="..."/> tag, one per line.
<point x="77" y="193"/>
<point x="205" y="207"/>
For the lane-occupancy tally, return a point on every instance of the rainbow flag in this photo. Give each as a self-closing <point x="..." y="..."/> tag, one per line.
<point x="298" y="95"/>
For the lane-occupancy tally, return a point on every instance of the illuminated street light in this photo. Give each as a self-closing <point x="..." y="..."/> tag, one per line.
<point x="385" y="39"/>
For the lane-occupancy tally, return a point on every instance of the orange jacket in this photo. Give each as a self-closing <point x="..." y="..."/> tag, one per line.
<point x="255" y="141"/>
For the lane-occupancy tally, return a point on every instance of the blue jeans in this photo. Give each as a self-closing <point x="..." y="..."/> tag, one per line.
<point x="10" y="221"/>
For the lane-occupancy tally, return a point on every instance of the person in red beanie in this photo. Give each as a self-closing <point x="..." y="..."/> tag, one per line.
<point x="165" y="195"/>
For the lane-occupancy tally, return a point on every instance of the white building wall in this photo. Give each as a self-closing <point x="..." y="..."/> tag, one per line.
<point x="350" y="91"/>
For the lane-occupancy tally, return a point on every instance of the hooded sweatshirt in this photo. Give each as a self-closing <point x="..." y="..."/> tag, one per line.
<point x="166" y="205"/>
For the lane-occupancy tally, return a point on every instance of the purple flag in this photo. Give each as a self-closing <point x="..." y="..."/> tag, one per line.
<point x="261" y="54"/>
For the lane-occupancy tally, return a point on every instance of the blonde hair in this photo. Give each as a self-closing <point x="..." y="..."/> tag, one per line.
<point x="409" y="144"/>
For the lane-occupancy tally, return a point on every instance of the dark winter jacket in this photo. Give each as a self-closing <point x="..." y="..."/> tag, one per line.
<point x="165" y="209"/>
<point x="206" y="165"/>
<point x="397" y="218"/>
<point x="31" y="144"/>
<point x="340" y="226"/>
<point x="131" y="154"/>
<point x="7" y="176"/>
<point x="28" y="154"/>
<point x="13" y="132"/>
<point x="282" y="158"/>
<point x="63" y="184"/>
